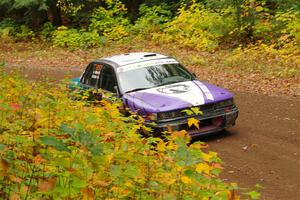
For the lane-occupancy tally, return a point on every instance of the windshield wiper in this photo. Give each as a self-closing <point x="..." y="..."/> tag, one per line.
<point x="168" y="83"/>
<point x="137" y="89"/>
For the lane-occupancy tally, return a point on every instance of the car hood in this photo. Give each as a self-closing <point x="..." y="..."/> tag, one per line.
<point x="175" y="96"/>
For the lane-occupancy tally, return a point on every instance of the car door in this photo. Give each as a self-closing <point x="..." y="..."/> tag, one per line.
<point x="108" y="80"/>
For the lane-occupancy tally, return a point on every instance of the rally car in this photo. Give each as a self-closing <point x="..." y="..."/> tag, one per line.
<point x="160" y="89"/>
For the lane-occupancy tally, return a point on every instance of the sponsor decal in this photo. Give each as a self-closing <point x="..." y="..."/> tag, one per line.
<point x="95" y="74"/>
<point x="146" y="64"/>
<point x="174" y="89"/>
<point x="185" y="92"/>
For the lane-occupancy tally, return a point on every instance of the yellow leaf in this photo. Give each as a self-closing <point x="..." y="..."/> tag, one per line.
<point x="206" y="157"/>
<point x="129" y="184"/>
<point x="231" y="195"/>
<point x="259" y="8"/>
<point x="193" y="121"/>
<point x="203" y="167"/>
<point x="161" y="146"/>
<point x="171" y="145"/>
<point x="167" y="179"/>
<point x="186" y="180"/>
<point x="179" y="134"/>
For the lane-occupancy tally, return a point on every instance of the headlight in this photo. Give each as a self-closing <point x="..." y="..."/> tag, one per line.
<point x="225" y="103"/>
<point x="168" y="115"/>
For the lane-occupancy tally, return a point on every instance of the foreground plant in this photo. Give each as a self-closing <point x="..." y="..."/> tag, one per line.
<point x="52" y="147"/>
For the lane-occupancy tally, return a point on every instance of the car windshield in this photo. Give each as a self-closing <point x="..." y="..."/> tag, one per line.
<point x="153" y="76"/>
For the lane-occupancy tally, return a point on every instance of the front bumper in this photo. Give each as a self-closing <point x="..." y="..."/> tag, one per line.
<point x="209" y="122"/>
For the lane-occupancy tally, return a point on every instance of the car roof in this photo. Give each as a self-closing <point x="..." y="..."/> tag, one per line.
<point x="131" y="58"/>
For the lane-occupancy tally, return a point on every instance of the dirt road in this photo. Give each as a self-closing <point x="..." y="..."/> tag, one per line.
<point x="263" y="148"/>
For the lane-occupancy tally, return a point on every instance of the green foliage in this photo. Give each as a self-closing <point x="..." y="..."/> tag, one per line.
<point x="152" y="19"/>
<point x="201" y="25"/>
<point x="70" y="6"/>
<point x="54" y="148"/>
<point x="20" y="4"/>
<point x="290" y="27"/>
<point x="199" y="28"/>
<point x="2" y="63"/>
<point x="7" y="28"/>
<point x="72" y="38"/>
<point x="23" y="33"/>
<point x="47" y="31"/>
<point x="10" y="30"/>
<point x="111" y="21"/>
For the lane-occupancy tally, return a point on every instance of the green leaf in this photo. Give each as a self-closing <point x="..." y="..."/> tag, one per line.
<point x="253" y="195"/>
<point x="92" y="119"/>
<point x="197" y="111"/>
<point x="188" y="112"/>
<point x="5" y="106"/>
<point x="53" y="142"/>
<point x="131" y="171"/>
<point x="96" y="150"/>
<point x="78" y="182"/>
<point x="259" y="186"/>
<point x="66" y="129"/>
<point x="115" y="170"/>
<point x="189" y="173"/>
<point x="2" y="146"/>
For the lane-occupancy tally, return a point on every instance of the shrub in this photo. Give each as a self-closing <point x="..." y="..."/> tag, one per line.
<point x="152" y="19"/>
<point x="47" y="31"/>
<point x="290" y="31"/>
<point x="10" y="30"/>
<point x="7" y="28"/>
<point x="110" y="21"/>
<point x="54" y="148"/>
<point x="23" y="33"/>
<point x="72" y="38"/>
<point x="199" y="28"/>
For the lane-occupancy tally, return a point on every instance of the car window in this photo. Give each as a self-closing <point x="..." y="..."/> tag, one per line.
<point x="92" y="74"/>
<point x="108" y="79"/>
<point x="153" y="76"/>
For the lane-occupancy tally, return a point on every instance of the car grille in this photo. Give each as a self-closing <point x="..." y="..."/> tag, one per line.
<point x="206" y="109"/>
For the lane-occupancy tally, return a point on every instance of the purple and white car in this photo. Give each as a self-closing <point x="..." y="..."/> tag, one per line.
<point x="159" y="88"/>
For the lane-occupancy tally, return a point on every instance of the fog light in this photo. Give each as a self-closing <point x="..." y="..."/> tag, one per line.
<point x="217" y="121"/>
<point x="230" y="119"/>
<point x="227" y="109"/>
<point x="152" y="116"/>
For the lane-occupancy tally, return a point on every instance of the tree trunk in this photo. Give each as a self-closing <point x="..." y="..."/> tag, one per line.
<point x="54" y="13"/>
<point x="133" y="7"/>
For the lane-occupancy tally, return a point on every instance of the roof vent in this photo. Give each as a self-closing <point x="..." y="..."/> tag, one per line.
<point x="150" y="55"/>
